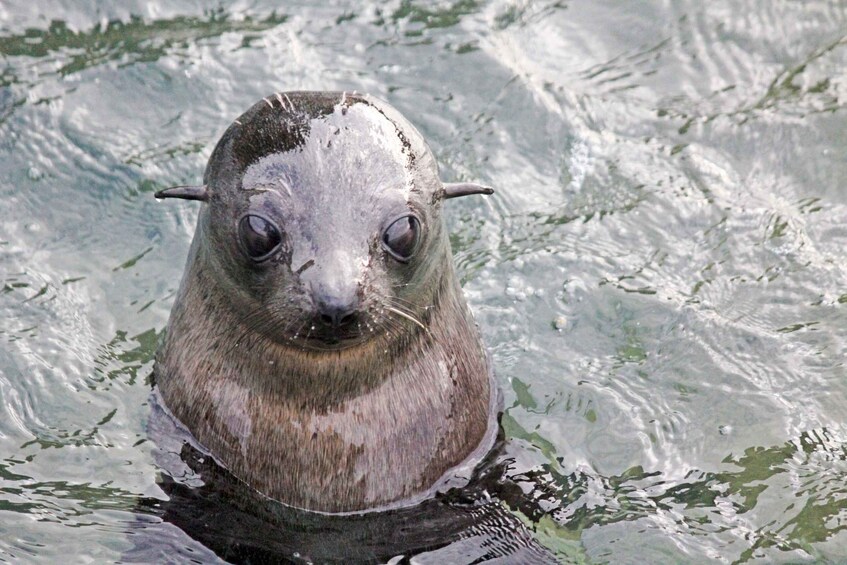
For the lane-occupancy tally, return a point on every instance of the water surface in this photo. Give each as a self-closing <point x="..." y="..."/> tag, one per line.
<point x="660" y="276"/>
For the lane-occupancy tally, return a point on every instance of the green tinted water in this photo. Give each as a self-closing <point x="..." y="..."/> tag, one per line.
<point x="660" y="276"/>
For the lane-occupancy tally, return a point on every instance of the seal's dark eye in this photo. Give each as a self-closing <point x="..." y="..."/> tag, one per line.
<point x="402" y="237"/>
<point x="259" y="236"/>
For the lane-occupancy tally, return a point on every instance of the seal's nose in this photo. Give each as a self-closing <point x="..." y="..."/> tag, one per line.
<point x="334" y="285"/>
<point x="335" y="311"/>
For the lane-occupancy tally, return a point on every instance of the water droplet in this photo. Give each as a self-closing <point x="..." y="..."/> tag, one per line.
<point x="34" y="173"/>
<point x="560" y="323"/>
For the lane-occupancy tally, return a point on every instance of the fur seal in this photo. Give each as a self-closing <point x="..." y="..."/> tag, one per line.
<point x="319" y="346"/>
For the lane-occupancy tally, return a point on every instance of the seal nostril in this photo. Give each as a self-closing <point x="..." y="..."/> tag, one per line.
<point x="335" y="316"/>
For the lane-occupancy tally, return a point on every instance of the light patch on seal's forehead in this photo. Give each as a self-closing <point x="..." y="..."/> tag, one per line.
<point x="357" y="147"/>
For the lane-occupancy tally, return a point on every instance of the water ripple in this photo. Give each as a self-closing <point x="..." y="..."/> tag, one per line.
<point x="660" y="275"/>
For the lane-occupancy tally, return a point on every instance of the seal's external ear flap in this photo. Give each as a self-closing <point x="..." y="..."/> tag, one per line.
<point x="456" y="189"/>
<point x="185" y="192"/>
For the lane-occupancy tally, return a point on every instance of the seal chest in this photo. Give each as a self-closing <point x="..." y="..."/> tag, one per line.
<point x="319" y="345"/>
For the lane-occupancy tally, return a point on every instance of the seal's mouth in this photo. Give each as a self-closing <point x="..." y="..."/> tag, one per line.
<point x="326" y="334"/>
<point x="315" y="332"/>
<point x="328" y="346"/>
<point x="331" y="342"/>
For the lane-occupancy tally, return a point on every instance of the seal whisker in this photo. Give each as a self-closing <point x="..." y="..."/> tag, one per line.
<point x="409" y="317"/>
<point x="296" y="334"/>
<point x="257" y="322"/>
<point x="309" y="333"/>
<point x="250" y="324"/>
<point x="271" y="325"/>
<point x="393" y="327"/>
<point x="408" y="304"/>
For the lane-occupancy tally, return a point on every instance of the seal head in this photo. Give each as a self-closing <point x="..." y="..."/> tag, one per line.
<point x="319" y="346"/>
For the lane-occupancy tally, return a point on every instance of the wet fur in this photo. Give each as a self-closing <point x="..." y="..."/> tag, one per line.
<point x="377" y="421"/>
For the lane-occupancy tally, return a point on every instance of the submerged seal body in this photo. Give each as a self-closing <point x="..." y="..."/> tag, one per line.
<point x="319" y="346"/>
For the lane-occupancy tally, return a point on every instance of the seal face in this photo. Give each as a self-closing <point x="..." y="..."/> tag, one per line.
<point x="319" y="346"/>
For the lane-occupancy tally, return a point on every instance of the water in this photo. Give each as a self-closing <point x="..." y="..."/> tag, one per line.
<point x="660" y="276"/>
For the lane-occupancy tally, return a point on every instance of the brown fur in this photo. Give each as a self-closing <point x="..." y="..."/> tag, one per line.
<point x="344" y="429"/>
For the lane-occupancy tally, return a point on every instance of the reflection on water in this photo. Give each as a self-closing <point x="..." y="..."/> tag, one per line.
<point x="660" y="276"/>
<point x="133" y="41"/>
